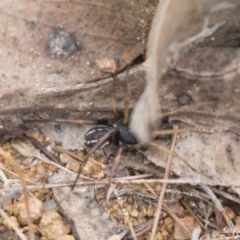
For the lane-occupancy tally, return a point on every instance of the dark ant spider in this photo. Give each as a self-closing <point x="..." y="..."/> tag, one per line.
<point x="122" y="134"/>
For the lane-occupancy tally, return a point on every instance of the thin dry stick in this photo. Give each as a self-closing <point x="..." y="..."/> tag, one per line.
<point x="157" y="133"/>
<point x="166" y="175"/>
<point x="113" y="99"/>
<point x="116" y="163"/>
<point x="12" y="225"/>
<point x="132" y="231"/>
<point x="46" y="160"/>
<point x="75" y="156"/>
<point x="217" y="203"/>
<point x="147" y="186"/>
<point x="226" y="195"/>
<point x="91" y="151"/>
<point x="126" y="105"/>
<point x="42" y="149"/>
<point x="174" y="216"/>
<point x="126" y="180"/>
<point x="9" y="157"/>
<point x="194" y="215"/>
<point x="16" y="175"/>
<point x="166" y="114"/>
<point x="59" y="120"/>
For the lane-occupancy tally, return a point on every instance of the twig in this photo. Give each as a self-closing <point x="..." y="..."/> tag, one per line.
<point x="59" y="120"/>
<point x="132" y="162"/>
<point x="12" y="225"/>
<point x="75" y="156"/>
<point x="132" y="231"/>
<point x="9" y="157"/>
<point x="127" y="180"/>
<point x="172" y="131"/>
<point x="160" y="201"/>
<point x="194" y="215"/>
<point x="226" y="195"/>
<point x="149" y="188"/>
<point x="174" y="216"/>
<point x="217" y="203"/>
<point x="113" y="98"/>
<point x="116" y="163"/>
<point x="42" y="149"/>
<point x="16" y="175"/>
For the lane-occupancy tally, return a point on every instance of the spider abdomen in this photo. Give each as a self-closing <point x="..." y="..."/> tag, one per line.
<point x="93" y="136"/>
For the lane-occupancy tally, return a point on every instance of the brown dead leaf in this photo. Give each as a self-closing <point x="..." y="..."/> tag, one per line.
<point x="49" y="52"/>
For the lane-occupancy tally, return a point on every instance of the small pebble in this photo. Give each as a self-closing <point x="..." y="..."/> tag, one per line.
<point x="230" y="213"/>
<point x="35" y="207"/>
<point x="168" y="223"/>
<point x="107" y="65"/>
<point x="134" y="214"/>
<point x="73" y="166"/>
<point x="53" y="225"/>
<point x="179" y="233"/>
<point x="150" y="211"/>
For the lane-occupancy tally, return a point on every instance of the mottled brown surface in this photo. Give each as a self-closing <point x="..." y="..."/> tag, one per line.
<point x="49" y="52"/>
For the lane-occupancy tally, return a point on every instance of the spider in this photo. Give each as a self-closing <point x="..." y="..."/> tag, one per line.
<point x="121" y="134"/>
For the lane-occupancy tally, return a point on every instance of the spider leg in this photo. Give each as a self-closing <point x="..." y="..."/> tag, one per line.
<point x="116" y="138"/>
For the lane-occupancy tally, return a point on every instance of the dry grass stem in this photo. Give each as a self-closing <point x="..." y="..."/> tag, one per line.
<point x="217" y="203"/>
<point x="226" y="195"/>
<point x="15" y="164"/>
<point x="149" y="188"/>
<point x="126" y="105"/>
<point x="16" y="175"/>
<point x="194" y="215"/>
<point x="172" y="131"/>
<point x="113" y="98"/>
<point x="126" y="180"/>
<point x="132" y="231"/>
<point x="115" y="164"/>
<point x="59" y="120"/>
<point x="75" y="156"/>
<point x="13" y="226"/>
<point x="174" y="216"/>
<point x="166" y="176"/>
